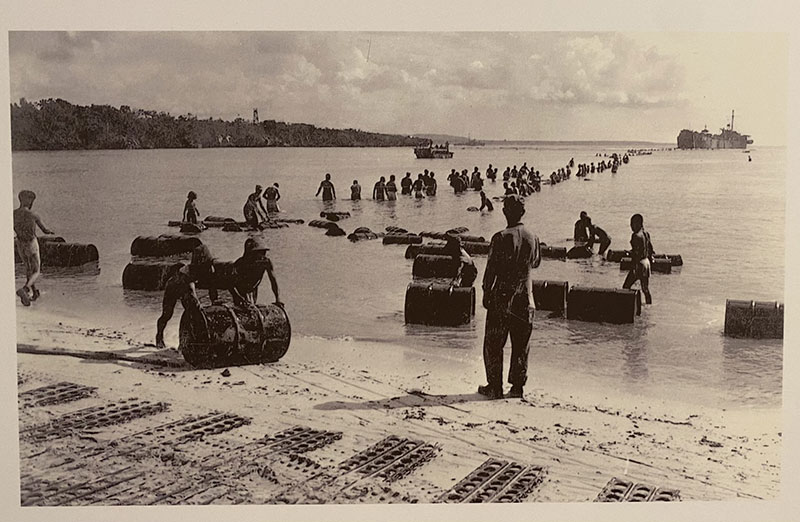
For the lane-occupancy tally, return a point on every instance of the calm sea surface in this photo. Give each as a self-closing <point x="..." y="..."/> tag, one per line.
<point x="723" y="214"/>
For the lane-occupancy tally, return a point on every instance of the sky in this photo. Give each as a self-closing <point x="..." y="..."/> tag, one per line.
<point x="488" y="85"/>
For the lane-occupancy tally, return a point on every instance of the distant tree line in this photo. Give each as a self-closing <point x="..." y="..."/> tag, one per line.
<point x="59" y="125"/>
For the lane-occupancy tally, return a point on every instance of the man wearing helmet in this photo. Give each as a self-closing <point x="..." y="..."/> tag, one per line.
<point x="249" y="271"/>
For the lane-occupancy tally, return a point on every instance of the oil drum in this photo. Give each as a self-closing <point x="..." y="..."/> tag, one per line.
<point x="439" y="304"/>
<point x="223" y="335"/>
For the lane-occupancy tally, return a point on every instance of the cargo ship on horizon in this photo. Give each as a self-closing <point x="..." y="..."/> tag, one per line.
<point x="726" y="139"/>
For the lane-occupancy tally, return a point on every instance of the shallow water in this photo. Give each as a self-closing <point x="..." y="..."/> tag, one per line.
<point x="723" y="214"/>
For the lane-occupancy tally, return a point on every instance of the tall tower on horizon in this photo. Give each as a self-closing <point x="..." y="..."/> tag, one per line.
<point x="255" y="115"/>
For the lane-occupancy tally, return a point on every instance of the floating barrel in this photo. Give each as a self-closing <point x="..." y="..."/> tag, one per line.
<point x="232" y="227"/>
<point x="476" y="248"/>
<point x="439" y="304"/>
<point x="362" y="236"/>
<point x="217" y="221"/>
<point x="674" y="259"/>
<point x="220" y="335"/>
<point x="660" y="265"/>
<point x="402" y="239"/>
<point x="757" y="319"/>
<point x="148" y="275"/>
<point x="471" y="248"/>
<point x="458" y="230"/>
<point x="334" y="216"/>
<point x="288" y="221"/>
<point x="603" y="305"/>
<point x="617" y="255"/>
<point x="434" y="247"/>
<point x="318" y="223"/>
<point x="335" y="231"/>
<point x="191" y="228"/>
<point x="163" y="245"/>
<point x="471" y="239"/>
<point x="56" y="253"/>
<point x="579" y="252"/>
<point x="432" y="266"/>
<point x="174" y="223"/>
<point x="550" y="296"/>
<point x="271" y="224"/>
<point x="549" y="252"/>
<point x="472" y="209"/>
<point x="395" y="230"/>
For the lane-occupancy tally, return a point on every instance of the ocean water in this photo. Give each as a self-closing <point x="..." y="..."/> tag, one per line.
<point x="723" y="214"/>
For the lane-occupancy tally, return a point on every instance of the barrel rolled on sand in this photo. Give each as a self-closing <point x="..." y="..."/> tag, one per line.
<point x="163" y="245"/>
<point x="427" y="266"/>
<point x="439" y="304"/>
<point x="222" y="335"/>
<point x="603" y="305"/>
<point x="148" y="275"/>
<point x="754" y="319"/>
<point x="550" y="296"/>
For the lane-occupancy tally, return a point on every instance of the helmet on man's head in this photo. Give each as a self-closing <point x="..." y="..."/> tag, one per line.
<point x="255" y="244"/>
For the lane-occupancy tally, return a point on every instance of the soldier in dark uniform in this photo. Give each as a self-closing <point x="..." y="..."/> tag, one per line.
<point x="508" y="301"/>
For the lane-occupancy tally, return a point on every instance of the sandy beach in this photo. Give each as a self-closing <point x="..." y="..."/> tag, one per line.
<point x="354" y="395"/>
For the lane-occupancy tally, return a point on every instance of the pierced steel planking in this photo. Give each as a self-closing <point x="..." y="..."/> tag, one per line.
<point x="495" y="481"/>
<point x="618" y="490"/>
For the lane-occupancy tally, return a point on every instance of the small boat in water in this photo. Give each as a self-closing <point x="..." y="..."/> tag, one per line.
<point x="431" y="151"/>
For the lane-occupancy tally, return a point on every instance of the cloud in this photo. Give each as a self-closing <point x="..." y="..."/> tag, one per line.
<point x="498" y="83"/>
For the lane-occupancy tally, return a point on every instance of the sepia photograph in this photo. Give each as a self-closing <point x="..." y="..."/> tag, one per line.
<point x="296" y="264"/>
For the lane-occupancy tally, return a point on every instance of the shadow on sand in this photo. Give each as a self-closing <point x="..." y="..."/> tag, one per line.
<point x="413" y="399"/>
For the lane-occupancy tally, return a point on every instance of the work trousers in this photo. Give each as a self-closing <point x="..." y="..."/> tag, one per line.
<point x="499" y="324"/>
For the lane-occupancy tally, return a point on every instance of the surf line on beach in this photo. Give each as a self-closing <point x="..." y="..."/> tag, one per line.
<point x="97" y="355"/>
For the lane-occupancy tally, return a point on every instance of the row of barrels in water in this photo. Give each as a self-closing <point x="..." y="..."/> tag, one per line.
<point x="55" y="251"/>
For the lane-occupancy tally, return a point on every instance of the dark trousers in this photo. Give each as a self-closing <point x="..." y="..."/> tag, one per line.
<point x="499" y="325"/>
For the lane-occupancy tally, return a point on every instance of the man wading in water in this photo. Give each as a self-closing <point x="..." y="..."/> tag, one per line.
<point x="641" y="255"/>
<point x="508" y="301"/>
<point x="327" y="189"/>
<point x="25" y="223"/>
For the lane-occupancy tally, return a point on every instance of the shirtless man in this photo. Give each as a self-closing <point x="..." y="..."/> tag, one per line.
<point x="327" y="189"/>
<point x="272" y="195"/>
<point x="249" y="271"/>
<point x="25" y="223"/>
<point x="642" y="256"/>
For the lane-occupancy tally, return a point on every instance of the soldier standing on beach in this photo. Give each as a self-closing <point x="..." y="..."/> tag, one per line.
<point x="25" y="223"/>
<point x="508" y="301"/>
<point x="642" y="256"/>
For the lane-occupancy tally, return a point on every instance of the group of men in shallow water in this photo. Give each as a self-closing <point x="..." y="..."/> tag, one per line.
<point x="507" y="294"/>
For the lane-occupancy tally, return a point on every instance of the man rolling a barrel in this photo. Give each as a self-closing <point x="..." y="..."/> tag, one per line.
<point x="181" y="286"/>
<point x="642" y="256"/>
<point x="25" y="223"/>
<point x="248" y="271"/>
<point x="508" y="301"/>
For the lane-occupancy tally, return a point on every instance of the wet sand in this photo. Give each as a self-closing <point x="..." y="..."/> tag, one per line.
<point x="355" y="395"/>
